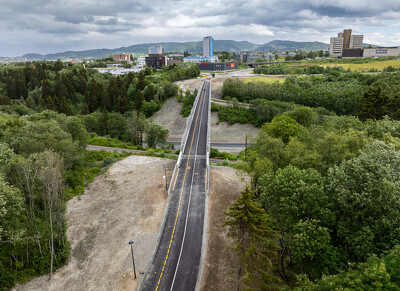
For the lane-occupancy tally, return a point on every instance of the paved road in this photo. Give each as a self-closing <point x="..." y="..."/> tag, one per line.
<point x="230" y="147"/>
<point x="177" y="259"/>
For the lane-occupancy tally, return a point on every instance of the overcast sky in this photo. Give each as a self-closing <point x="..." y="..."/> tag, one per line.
<point x="50" y="26"/>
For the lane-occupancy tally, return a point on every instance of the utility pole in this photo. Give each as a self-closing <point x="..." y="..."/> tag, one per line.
<point x="245" y="149"/>
<point x="166" y="178"/>
<point x="133" y="259"/>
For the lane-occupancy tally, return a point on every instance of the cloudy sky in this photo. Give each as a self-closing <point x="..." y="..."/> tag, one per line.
<point x="50" y="26"/>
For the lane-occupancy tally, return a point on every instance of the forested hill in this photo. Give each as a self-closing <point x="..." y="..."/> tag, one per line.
<point x="279" y="45"/>
<point x="191" y="47"/>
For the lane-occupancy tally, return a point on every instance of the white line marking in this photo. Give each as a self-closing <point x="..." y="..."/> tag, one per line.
<point x="190" y="195"/>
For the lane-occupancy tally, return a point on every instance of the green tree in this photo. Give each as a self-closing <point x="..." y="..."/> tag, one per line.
<point x="135" y="125"/>
<point x="254" y="242"/>
<point x="364" y="194"/>
<point x="139" y="100"/>
<point x="155" y="134"/>
<point x="283" y="127"/>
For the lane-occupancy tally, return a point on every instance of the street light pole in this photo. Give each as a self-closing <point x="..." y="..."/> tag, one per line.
<point x="133" y="259"/>
<point x="166" y="179"/>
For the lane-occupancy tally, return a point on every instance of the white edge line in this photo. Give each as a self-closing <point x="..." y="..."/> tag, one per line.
<point x="190" y="196"/>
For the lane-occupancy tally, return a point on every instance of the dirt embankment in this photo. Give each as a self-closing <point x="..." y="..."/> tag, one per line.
<point x="219" y="267"/>
<point x="126" y="203"/>
<point x="169" y="117"/>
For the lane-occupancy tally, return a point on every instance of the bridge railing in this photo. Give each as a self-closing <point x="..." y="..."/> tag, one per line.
<point x="188" y="125"/>
<point x="208" y="138"/>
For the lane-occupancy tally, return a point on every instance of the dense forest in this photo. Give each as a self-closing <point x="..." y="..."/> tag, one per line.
<point x="322" y="208"/>
<point x="48" y="112"/>
<point x="343" y="93"/>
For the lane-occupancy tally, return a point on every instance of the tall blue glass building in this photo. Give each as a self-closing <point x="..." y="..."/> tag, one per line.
<point x="208" y="46"/>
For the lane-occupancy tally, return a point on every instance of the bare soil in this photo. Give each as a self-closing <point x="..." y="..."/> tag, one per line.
<point x="216" y="85"/>
<point x="169" y="116"/>
<point x="236" y="133"/>
<point x="219" y="265"/>
<point x="126" y="203"/>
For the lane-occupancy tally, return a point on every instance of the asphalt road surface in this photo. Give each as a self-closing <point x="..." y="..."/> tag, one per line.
<point x="177" y="259"/>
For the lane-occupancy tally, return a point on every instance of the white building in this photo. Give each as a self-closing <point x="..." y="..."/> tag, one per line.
<point x="345" y="40"/>
<point x="356" y="41"/>
<point x="208" y="46"/>
<point x="156" y="50"/>
<point x="336" y="47"/>
<point x="381" y="52"/>
<point x="141" y="62"/>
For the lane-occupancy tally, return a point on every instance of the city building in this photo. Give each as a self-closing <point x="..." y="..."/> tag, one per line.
<point x="141" y="62"/>
<point x="200" y="59"/>
<point x="122" y="58"/>
<point x="208" y="46"/>
<point x="118" y="71"/>
<point x="156" y="61"/>
<point x="381" y="52"/>
<point x="336" y="46"/>
<point x="345" y="40"/>
<point x="356" y="41"/>
<point x="218" y="66"/>
<point x="156" y="50"/>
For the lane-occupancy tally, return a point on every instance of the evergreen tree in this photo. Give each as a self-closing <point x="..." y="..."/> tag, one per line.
<point x="149" y="93"/>
<point x="123" y="104"/>
<point x="65" y="108"/>
<point x="254" y="241"/>
<point x="4" y="100"/>
<point x="139" y="100"/>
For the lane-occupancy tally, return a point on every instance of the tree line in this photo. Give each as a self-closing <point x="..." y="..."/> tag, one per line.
<point x="322" y="205"/>
<point x="344" y="93"/>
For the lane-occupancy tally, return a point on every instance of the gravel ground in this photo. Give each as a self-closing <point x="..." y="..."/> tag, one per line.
<point x="126" y="203"/>
<point x="219" y="272"/>
<point x="169" y="117"/>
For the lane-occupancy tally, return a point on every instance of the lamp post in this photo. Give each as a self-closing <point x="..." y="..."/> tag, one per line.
<point x="166" y="179"/>
<point x="133" y="259"/>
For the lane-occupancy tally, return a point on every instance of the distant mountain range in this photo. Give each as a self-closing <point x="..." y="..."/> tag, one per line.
<point x="180" y="47"/>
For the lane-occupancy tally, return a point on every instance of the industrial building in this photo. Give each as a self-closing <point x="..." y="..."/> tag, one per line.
<point x="218" y="66"/>
<point x="381" y="52"/>
<point x="345" y="40"/>
<point x="197" y="59"/>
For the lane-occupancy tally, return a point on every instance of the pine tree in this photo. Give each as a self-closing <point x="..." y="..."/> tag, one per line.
<point x="373" y="104"/>
<point x="149" y="93"/>
<point x="139" y="100"/>
<point x="4" y="100"/>
<point x="255" y="242"/>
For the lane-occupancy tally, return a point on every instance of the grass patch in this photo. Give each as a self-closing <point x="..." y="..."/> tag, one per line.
<point x="112" y="142"/>
<point x="380" y="65"/>
<point x="214" y="153"/>
<point x="93" y="164"/>
<point x="267" y="80"/>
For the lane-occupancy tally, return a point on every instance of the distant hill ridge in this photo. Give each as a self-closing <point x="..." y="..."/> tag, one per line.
<point x="180" y="47"/>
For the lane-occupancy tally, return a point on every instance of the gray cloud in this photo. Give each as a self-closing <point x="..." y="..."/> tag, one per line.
<point x="86" y="24"/>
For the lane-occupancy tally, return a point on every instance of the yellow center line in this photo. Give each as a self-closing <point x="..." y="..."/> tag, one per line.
<point x="183" y="185"/>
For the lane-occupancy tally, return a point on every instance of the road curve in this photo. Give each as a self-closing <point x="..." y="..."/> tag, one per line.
<point x="177" y="259"/>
